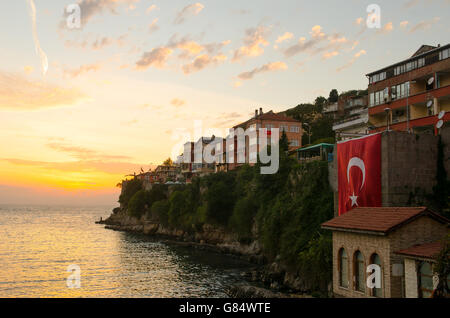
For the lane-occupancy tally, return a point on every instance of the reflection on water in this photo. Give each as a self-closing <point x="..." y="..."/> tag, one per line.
<point x="38" y="243"/>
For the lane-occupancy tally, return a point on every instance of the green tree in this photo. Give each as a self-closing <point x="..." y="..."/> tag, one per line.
<point x="443" y="270"/>
<point x="161" y="210"/>
<point x="137" y="204"/>
<point x="334" y="96"/>
<point x="168" y="162"/>
<point x="320" y="103"/>
<point x="129" y="189"/>
<point x="177" y="208"/>
<point x="241" y="221"/>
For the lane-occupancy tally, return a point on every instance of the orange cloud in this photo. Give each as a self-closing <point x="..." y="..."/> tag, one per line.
<point x="285" y="37"/>
<point x="156" y="58"/>
<point x="254" y="40"/>
<point x="177" y="102"/>
<point x="202" y="61"/>
<point x="192" y="9"/>
<point x="353" y="60"/>
<point x="82" y="70"/>
<point x="19" y="93"/>
<point x="265" y="68"/>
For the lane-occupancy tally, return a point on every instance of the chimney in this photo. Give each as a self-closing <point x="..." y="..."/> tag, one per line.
<point x="260" y="111"/>
<point x="256" y="113"/>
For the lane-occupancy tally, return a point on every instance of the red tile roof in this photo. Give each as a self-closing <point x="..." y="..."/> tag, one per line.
<point x="427" y="250"/>
<point x="380" y="220"/>
<point x="269" y="116"/>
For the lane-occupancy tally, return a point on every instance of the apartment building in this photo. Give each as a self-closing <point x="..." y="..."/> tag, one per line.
<point x="188" y="159"/>
<point x="202" y="166"/>
<point x="166" y="173"/>
<point x="355" y="115"/>
<point x="247" y="152"/>
<point x="411" y="94"/>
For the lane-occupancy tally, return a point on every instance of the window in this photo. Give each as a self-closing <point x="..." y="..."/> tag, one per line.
<point x="343" y="268"/>
<point x="269" y="126"/>
<point x="401" y="90"/>
<point x="294" y="143"/>
<point x="295" y="129"/>
<point x="284" y="128"/>
<point x="445" y="54"/>
<point x="372" y="99"/>
<point x="375" y="259"/>
<point x="425" y="280"/>
<point x="421" y="62"/>
<point x="394" y="92"/>
<point x="359" y="272"/>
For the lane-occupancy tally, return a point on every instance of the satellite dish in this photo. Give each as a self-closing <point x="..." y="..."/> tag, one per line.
<point x="429" y="103"/>
<point x="430" y="81"/>
<point x="439" y="124"/>
<point x="441" y="114"/>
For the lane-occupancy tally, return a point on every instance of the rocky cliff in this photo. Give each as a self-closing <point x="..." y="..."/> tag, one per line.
<point x="274" y="275"/>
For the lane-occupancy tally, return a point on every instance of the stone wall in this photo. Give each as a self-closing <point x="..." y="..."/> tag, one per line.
<point x="411" y="290"/>
<point x="367" y="244"/>
<point x="420" y="231"/>
<point x="408" y="167"/>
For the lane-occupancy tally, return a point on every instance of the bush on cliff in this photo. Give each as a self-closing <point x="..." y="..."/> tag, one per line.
<point x="137" y="204"/>
<point x="161" y="210"/>
<point x="241" y="220"/>
<point x="129" y="191"/>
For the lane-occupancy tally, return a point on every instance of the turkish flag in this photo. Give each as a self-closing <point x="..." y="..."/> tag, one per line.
<point x="359" y="173"/>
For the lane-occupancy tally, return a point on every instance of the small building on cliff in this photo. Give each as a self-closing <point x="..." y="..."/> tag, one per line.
<point x="387" y="237"/>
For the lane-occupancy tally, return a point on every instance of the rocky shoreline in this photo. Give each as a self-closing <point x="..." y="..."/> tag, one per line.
<point x="277" y="282"/>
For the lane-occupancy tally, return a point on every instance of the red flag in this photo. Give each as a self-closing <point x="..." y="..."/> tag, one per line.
<point x="359" y="173"/>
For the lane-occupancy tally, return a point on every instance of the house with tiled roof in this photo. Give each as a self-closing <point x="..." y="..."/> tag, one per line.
<point x="384" y="237"/>
<point x="247" y="152"/>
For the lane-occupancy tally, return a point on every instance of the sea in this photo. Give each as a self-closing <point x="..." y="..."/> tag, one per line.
<point x="59" y="251"/>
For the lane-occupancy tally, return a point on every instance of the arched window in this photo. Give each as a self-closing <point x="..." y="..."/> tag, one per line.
<point x="359" y="271"/>
<point x="375" y="259"/>
<point x="425" y="280"/>
<point x="343" y="268"/>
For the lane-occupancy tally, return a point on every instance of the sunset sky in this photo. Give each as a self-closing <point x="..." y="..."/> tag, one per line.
<point x="124" y="90"/>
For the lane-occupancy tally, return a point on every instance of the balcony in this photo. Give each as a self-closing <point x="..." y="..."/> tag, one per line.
<point x="420" y="122"/>
<point x="412" y="99"/>
<point x="331" y="108"/>
<point x="362" y="118"/>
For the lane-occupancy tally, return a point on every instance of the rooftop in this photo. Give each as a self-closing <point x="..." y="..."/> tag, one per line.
<point x="324" y="145"/>
<point x="268" y="116"/>
<point x="427" y="250"/>
<point x="379" y="220"/>
<point x="421" y="52"/>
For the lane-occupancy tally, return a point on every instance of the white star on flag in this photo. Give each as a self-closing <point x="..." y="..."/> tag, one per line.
<point x="354" y="199"/>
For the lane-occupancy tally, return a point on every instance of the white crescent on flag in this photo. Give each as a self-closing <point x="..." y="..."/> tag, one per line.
<point x="357" y="162"/>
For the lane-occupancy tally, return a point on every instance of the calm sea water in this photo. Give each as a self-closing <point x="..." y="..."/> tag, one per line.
<point x="37" y="244"/>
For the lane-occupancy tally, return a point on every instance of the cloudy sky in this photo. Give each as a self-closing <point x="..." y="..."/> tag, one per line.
<point x="80" y="108"/>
